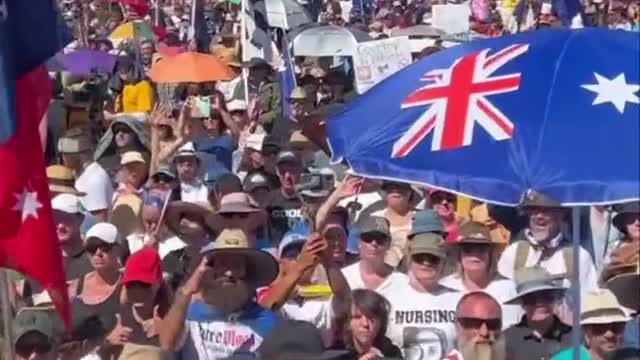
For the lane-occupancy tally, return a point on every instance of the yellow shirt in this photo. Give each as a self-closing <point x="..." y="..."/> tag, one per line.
<point x="137" y="97"/>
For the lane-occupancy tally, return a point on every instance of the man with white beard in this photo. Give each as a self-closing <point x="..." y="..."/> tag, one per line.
<point x="543" y="244"/>
<point x="478" y="325"/>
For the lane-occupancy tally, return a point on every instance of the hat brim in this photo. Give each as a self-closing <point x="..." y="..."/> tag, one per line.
<point x="605" y="319"/>
<point x="474" y="241"/>
<point x="176" y="210"/>
<point x="237" y="208"/>
<point x="620" y="285"/>
<point x="264" y="268"/>
<point x="518" y="298"/>
<point x="65" y="190"/>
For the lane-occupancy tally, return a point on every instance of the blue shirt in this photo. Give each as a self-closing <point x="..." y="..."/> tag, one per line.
<point x="209" y="334"/>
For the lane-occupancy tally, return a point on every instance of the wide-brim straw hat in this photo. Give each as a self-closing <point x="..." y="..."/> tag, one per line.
<point x="262" y="267"/>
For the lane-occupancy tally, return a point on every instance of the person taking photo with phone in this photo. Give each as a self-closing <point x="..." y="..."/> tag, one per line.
<point x="218" y="300"/>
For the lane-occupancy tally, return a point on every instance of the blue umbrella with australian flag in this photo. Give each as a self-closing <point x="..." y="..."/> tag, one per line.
<point x="555" y="111"/>
<point x="552" y="111"/>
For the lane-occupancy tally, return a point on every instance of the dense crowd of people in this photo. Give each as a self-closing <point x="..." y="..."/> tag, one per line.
<point x="205" y="220"/>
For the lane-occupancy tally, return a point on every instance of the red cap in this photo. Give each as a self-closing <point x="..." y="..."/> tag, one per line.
<point x="143" y="265"/>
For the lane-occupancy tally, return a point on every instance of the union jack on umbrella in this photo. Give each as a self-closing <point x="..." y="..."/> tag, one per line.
<point x="555" y="111"/>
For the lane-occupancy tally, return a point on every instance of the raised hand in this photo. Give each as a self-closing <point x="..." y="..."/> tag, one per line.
<point x="120" y="334"/>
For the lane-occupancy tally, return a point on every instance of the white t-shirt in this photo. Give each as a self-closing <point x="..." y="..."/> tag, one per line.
<point x="97" y="186"/>
<point x="501" y="289"/>
<point x="423" y="324"/>
<point x="197" y="193"/>
<point x="319" y="312"/>
<point x="394" y="282"/>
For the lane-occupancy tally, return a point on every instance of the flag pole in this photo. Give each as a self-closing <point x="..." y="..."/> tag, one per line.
<point x="243" y="47"/>
<point x="7" y="314"/>
<point x="576" y="334"/>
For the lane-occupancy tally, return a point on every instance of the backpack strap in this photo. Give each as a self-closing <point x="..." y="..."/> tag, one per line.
<point x="567" y="254"/>
<point x="522" y="253"/>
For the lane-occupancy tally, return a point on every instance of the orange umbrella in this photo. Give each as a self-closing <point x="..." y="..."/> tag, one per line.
<point x="190" y="67"/>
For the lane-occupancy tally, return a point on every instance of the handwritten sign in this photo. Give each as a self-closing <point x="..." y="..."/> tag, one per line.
<point x="451" y="18"/>
<point x="375" y="60"/>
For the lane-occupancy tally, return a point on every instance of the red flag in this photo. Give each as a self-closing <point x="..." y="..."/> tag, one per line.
<point x="28" y="242"/>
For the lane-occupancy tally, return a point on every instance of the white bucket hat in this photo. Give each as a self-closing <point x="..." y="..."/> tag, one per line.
<point x="601" y="306"/>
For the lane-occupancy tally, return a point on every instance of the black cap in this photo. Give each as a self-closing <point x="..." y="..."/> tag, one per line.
<point x="228" y="183"/>
<point x="297" y="340"/>
<point x="271" y="141"/>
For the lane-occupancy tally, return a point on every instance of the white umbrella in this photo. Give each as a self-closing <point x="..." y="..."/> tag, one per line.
<point x="284" y="14"/>
<point x="328" y="40"/>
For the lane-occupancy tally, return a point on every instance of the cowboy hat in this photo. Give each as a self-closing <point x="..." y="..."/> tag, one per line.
<point x="177" y="210"/>
<point x="262" y="269"/>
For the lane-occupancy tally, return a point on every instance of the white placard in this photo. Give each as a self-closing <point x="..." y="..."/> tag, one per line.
<point x="375" y="60"/>
<point x="451" y="18"/>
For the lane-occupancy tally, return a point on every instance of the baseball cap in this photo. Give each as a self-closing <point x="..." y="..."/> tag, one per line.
<point x="254" y="142"/>
<point x="374" y="224"/>
<point x="144" y="266"/>
<point x="29" y="320"/>
<point x="67" y="203"/>
<point x="74" y="141"/>
<point x="227" y="183"/>
<point x="131" y="157"/>
<point x="287" y="156"/>
<point x="428" y="243"/>
<point x="104" y="231"/>
<point x="165" y="169"/>
<point x="236" y="105"/>
<point x="255" y="181"/>
<point x="290" y="239"/>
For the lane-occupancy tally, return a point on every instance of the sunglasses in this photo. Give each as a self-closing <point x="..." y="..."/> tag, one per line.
<point x="474" y="248"/>
<point x="425" y="258"/>
<point x="377" y="238"/>
<point x="122" y="129"/>
<point x="476" y="323"/>
<point x="234" y="215"/>
<point x="162" y="178"/>
<point x="601" y="329"/>
<point x="93" y="248"/>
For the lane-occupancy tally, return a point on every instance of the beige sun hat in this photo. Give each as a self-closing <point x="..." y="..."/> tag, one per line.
<point x="262" y="268"/>
<point x="601" y="306"/>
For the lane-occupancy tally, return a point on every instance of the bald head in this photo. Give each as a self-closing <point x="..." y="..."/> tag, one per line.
<point x="478" y="318"/>
<point x="478" y="300"/>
